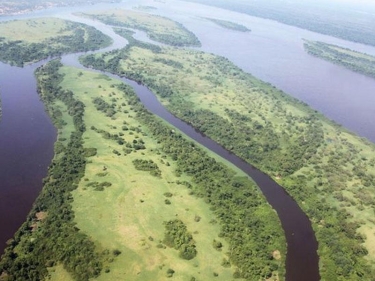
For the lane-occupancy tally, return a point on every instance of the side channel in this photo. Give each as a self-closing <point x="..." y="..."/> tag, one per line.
<point x="302" y="262"/>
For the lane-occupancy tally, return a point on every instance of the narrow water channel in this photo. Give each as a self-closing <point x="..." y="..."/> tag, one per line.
<point x="301" y="260"/>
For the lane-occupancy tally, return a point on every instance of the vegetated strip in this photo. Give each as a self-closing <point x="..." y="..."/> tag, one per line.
<point x="230" y="25"/>
<point x="356" y="61"/>
<point x="158" y="28"/>
<point x="76" y="37"/>
<point x="248" y="222"/>
<point x="49" y="235"/>
<point x="319" y="163"/>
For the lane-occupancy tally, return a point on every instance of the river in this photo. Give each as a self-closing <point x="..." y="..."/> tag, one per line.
<point x="272" y="52"/>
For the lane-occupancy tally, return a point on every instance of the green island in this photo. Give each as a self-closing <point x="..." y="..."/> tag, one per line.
<point x="12" y="7"/>
<point x="356" y="61"/>
<point x="230" y="25"/>
<point x="104" y="214"/>
<point x="27" y="41"/>
<point x="329" y="171"/>
<point x="157" y="28"/>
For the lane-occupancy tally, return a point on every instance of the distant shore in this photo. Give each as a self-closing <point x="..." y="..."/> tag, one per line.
<point x="7" y="9"/>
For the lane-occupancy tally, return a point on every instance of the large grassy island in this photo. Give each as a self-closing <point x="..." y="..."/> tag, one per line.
<point x="120" y="181"/>
<point x="327" y="169"/>
<point x="129" y="197"/>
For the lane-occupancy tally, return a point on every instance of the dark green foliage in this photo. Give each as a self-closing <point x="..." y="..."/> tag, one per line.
<point x="235" y="201"/>
<point x="176" y="236"/>
<point x="57" y="239"/>
<point x="89" y="152"/>
<point x="172" y="63"/>
<point x="99" y="186"/>
<point x="170" y="273"/>
<point x="217" y="245"/>
<point x="106" y="108"/>
<point x="147" y="165"/>
<point x="18" y="52"/>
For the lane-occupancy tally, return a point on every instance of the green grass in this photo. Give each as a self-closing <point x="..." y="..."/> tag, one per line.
<point x="27" y="41"/>
<point x="34" y="30"/>
<point x="157" y="28"/>
<point x="126" y="214"/>
<point x="335" y="175"/>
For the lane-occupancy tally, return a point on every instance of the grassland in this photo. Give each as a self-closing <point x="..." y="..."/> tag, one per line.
<point x="230" y="25"/>
<point x="356" y="61"/>
<point x="129" y="214"/>
<point x="25" y="41"/>
<point x="329" y="171"/>
<point x="157" y="28"/>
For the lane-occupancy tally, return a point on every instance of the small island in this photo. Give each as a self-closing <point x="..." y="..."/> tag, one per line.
<point x="230" y="25"/>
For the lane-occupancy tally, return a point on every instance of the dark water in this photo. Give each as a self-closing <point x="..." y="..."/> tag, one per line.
<point x="26" y="147"/>
<point x="302" y="259"/>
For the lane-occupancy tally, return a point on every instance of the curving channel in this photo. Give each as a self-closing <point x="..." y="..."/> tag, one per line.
<point x="302" y="259"/>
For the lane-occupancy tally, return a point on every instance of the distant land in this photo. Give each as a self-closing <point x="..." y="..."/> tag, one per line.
<point x="337" y="20"/>
<point x="16" y="7"/>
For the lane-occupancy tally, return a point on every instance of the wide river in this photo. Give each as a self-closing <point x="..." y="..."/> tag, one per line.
<point x="272" y="52"/>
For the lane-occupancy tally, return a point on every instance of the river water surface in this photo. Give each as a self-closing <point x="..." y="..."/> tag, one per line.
<point x="272" y="52"/>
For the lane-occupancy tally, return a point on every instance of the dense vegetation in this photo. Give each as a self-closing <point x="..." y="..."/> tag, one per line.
<point x="157" y="28"/>
<point x="178" y="237"/>
<point x="230" y="25"/>
<point x="235" y="201"/>
<point x="358" y="62"/>
<point x="351" y="23"/>
<point x="19" y="6"/>
<point x="49" y="235"/>
<point x="325" y="168"/>
<point x="32" y="40"/>
<point x="238" y="205"/>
